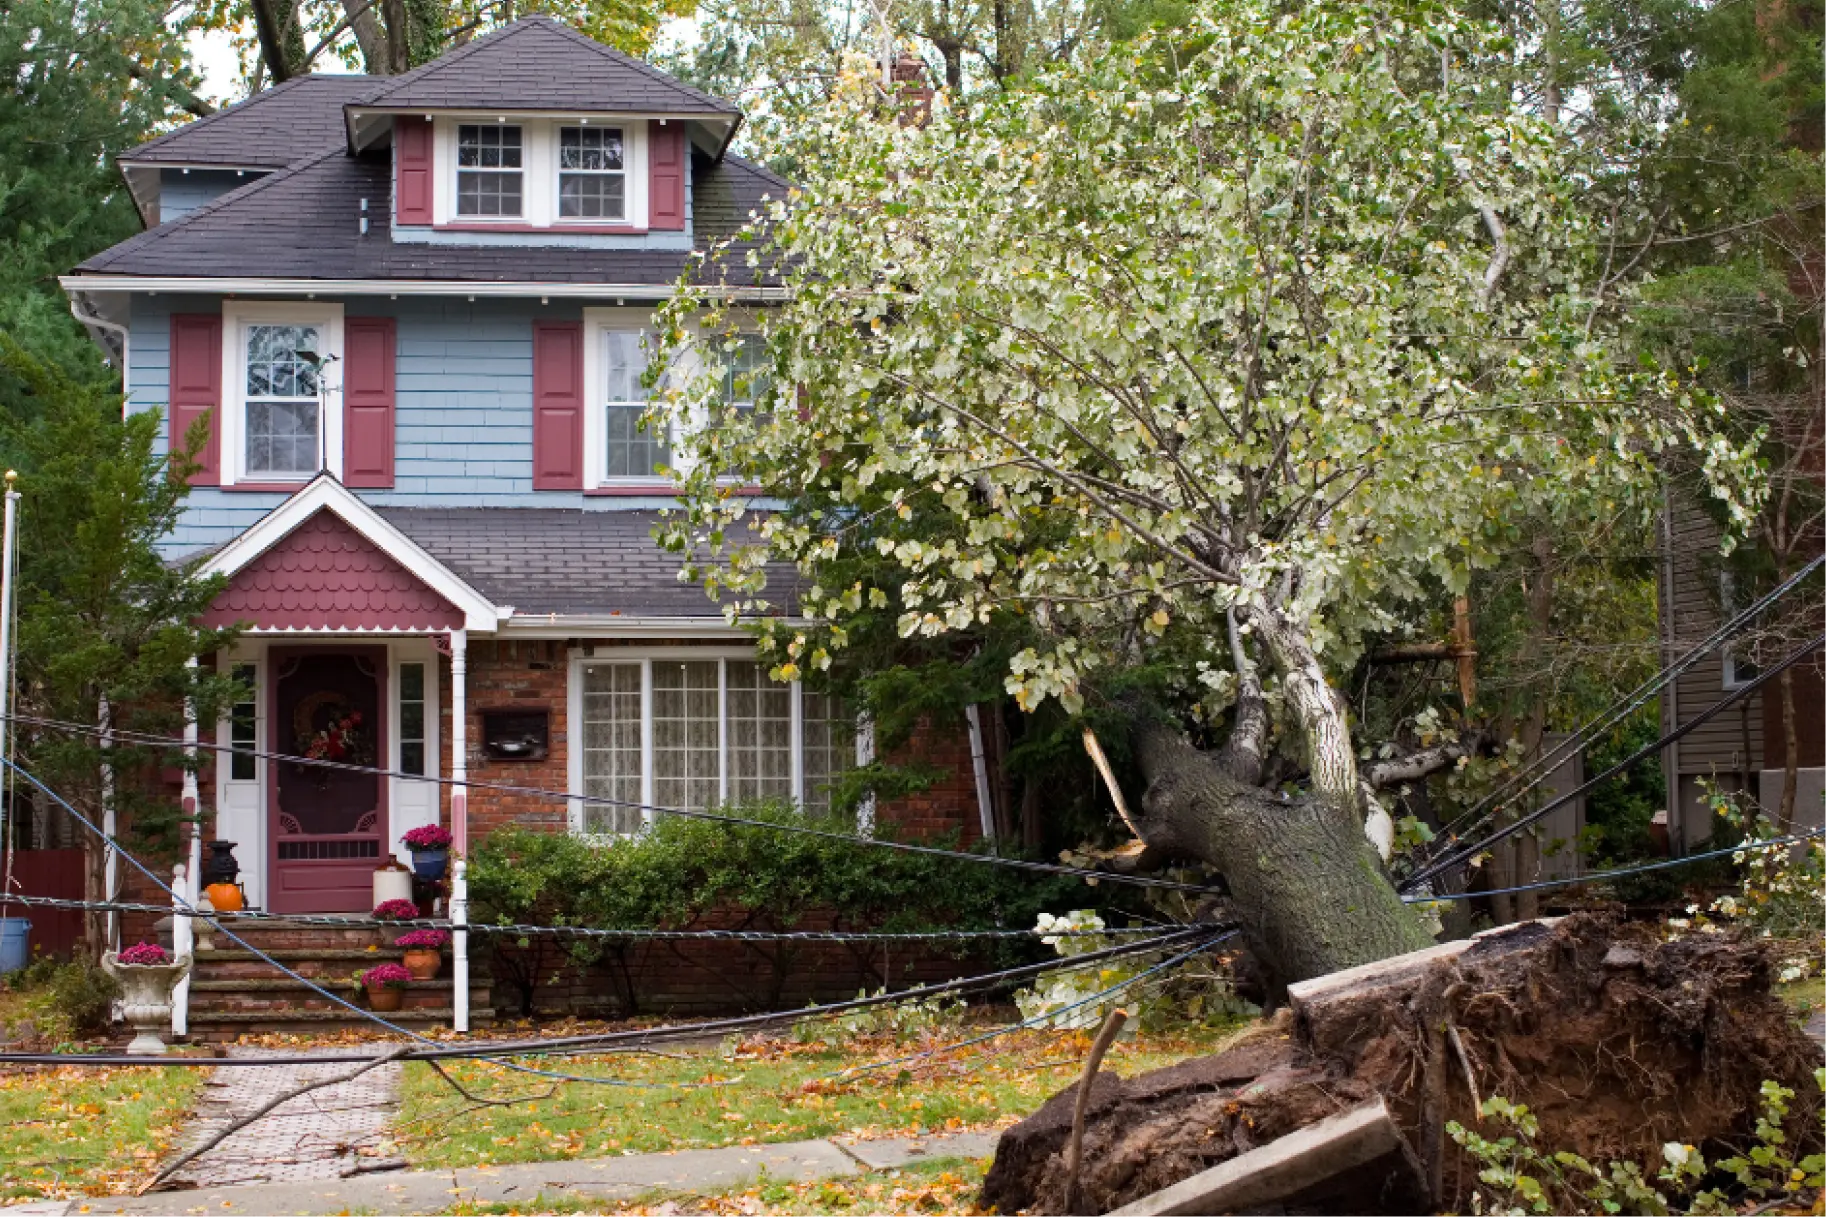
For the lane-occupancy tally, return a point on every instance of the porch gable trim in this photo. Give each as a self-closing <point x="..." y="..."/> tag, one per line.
<point x="325" y="493"/>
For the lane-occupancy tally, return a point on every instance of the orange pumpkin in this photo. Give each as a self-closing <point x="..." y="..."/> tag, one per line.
<point x="225" y="897"/>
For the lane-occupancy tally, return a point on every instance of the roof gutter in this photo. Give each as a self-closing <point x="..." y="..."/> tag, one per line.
<point x="612" y="625"/>
<point x="151" y="285"/>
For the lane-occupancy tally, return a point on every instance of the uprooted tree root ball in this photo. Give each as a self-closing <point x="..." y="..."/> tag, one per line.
<point x="1617" y="1040"/>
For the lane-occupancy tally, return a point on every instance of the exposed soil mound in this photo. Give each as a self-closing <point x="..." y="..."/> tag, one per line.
<point x="1618" y="1041"/>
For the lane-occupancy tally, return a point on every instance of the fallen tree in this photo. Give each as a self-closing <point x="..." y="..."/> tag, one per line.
<point x="1618" y="1042"/>
<point x="1176" y="373"/>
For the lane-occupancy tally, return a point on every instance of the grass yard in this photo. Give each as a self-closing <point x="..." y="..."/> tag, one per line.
<point x="943" y="1185"/>
<point x="756" y="1092"/>
<point x="67" y="1131"/>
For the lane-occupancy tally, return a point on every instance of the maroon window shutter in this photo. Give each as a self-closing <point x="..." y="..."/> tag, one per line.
<point x="196" y="388"/>
<point x="666" y="175"/>
<point x="367" y="399"/>
<point x="412" y="170"/>
<point x="557" y="405"/>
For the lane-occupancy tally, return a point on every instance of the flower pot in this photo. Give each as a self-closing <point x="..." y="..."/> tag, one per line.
<point x="430" y="863"/>
<point x="145" y="998"/>
<point x="225" y="897"/>
<point x="386" y="998"/>
<point x="423" y="962"/>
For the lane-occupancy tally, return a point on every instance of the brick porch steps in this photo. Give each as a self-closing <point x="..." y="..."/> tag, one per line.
<point x="234" y="992"/>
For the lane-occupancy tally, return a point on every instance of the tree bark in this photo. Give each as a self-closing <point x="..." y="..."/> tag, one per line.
<point x="1534" y="727"/>
<point x="370" y="36"/>
<point x="1304" y="883"/>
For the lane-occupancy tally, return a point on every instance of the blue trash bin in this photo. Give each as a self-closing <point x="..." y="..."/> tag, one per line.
<point x="15" y="945"/>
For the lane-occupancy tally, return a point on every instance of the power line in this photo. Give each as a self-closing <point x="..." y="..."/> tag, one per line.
<point x="663" y="1034"/>
<point x="1693" y="724"/>
<point x="1620" y="872"/>
<point x="1548" y="761"/>
<point x="330" y="921"/>
<point x="1048" y="868"/>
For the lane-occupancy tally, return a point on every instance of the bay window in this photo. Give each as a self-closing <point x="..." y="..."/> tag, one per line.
<point x="680" y="729"/>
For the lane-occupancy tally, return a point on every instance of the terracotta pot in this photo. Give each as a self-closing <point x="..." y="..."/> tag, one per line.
<point x="145" y="998"/>
<point x="225" y="897"/>
<point x="423" y="962"/>
<point x="385" y="998"/>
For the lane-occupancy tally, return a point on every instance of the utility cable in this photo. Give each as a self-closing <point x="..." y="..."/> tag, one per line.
<point x="330" y="921"/>
<point x="1647" y="750"/>
<point x="1627" y="705"/>
<point x="1049" y="868"/>
<point x="641" y="1037"/>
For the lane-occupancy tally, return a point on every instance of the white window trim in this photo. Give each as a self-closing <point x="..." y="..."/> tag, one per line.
<point x="539" y="171"/>
<point x="457" y="169"/>
<point x="625" y="173"/>
<point x="596" y="323"/>
<point x="237" y="315"/>
<point x="645" y="657"/>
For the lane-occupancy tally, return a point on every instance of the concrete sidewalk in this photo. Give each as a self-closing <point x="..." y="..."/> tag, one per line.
<point x="521" y="1184"/>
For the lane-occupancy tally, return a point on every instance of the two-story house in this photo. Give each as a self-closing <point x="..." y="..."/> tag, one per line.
<point x="409" y="312"/>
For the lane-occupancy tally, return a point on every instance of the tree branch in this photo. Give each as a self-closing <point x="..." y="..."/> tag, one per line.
<point x="1418" y="764"/>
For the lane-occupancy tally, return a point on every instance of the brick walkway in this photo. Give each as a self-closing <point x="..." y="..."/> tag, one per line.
<point x="312" y="1137"/>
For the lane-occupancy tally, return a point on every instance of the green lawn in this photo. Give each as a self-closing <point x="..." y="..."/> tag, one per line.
<point x="757" y="1092"/>
<point x="67" y="1131"/>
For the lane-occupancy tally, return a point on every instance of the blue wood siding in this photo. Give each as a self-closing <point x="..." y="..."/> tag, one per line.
<point x="464" y="428"/>
<point x="182" y="191"/>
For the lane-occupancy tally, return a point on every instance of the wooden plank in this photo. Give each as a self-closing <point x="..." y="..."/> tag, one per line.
<point x="1293" y="1163"/>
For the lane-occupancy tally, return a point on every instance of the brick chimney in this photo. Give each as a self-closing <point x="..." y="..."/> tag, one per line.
<point x="908" y="87"/>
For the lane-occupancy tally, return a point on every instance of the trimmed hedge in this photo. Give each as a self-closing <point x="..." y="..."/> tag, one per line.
<point x="682" y="873"/>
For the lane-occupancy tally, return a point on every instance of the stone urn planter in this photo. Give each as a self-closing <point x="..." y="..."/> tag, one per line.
<point x="146" y="975"/>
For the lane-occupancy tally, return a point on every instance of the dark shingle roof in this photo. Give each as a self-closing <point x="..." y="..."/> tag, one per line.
<point x="281" y="126"/>
<point x="538" y="63"/>
<point x="558" y="560"/>
<point x="304" y="223"/>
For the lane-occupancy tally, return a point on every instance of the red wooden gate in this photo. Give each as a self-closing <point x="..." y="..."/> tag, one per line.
<point x="55" y="873"/>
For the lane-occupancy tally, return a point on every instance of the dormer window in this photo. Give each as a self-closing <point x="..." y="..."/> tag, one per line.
<point x="592" y="173"/>
<point x="489" y="170"/>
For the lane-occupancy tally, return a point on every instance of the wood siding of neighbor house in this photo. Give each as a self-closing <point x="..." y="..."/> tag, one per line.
<point x="1730" y="750"/>
<point x="463" y="409"/>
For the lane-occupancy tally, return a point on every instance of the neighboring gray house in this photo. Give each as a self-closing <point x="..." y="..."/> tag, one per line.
<point x="409" y="311"/>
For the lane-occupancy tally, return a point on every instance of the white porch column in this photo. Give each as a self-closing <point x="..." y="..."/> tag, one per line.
<point x="188" y="884"/>
<point x="459" y="826"/>
<point x="110" y="826"/>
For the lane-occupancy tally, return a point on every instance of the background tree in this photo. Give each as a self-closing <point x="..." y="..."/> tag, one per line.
<point x="104" y="621"/>
<point x="1224" y="355"/>
<point x="86" y="82"/>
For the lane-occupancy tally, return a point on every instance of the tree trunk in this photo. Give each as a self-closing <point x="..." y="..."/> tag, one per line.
<point x="370" y="36"/>
<point x="1304" y="882"/>
<point x="1534" y="726"/>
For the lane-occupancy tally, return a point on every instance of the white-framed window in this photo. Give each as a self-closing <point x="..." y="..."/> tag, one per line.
<point x="592" y="173"/>
<point x="747" y="374"/>
<point x="281" y="419"/>
<point x="244" y="725"/>
<point x="621" y="447"/>
<point x="490" y="177"/>
<point x="692" y="728"/>
<point x="1739" y="669"/>
<point x="540" y="171"/>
